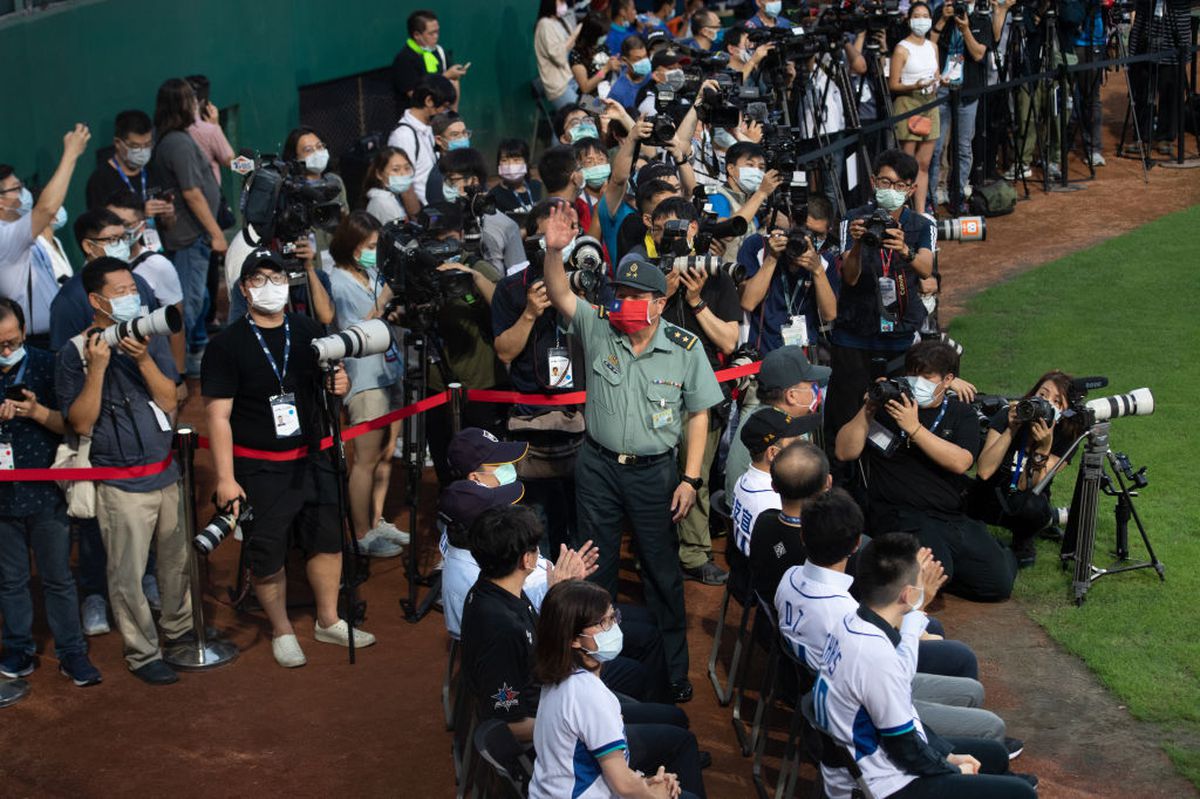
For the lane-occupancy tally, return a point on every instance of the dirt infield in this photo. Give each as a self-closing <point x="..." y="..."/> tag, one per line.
<point x="376" y="729"/>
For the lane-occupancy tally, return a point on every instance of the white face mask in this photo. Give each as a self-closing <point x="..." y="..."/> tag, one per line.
<point x="269" y="298"/>
<point x="608" y="644"/>
<point x="923" y="391"/>
<point x="316" y="162"/>
<point x="920" y="25"/>
<point x="137" y="157"/>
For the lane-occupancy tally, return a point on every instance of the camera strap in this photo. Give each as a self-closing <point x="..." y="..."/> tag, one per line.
<point x="1018" y="460"/>
<point x="287" y="349"/>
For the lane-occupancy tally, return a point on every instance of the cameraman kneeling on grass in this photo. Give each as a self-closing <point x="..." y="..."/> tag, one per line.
<point x="917" y="450"/>
<point x="263" y="391"/>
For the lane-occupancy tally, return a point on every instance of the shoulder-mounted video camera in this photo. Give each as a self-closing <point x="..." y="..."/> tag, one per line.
<point x="282" y="204"/>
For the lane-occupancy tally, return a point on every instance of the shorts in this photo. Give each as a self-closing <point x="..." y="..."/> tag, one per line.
<point x="292" y="502"/>
<point x="372" y="403"/>
<point x="907" y="102"/>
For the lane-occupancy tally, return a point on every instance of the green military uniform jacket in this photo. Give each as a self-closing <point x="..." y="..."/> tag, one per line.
<point x="637" y="404"/>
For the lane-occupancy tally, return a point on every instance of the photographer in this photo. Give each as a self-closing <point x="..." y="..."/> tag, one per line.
<point x="33" y="515"/>
<point x="21" y="221"/>
<point x="542" y="358"/>
<point x="706" y="306"/>
<point x="646" y="375"/>
<point x="389" y="191"/>
<point x="635" y="73"/>
<point x="705" y="29"/>
<point x="878" y="314"/>
<point x="433" y="95"/>
<point x="963" y="41"/>
<point x="1158" y="26"/>
<point x="309" y="285"/>
<point x="465" y="178"/>
<point x="360" y="294"/>
<point x="793" y="304"/>
<point x="263" y="391"/>
<point x="1016" y="456"/>
<point x="304" y="145"/>
<point x="123" y="399"/>
<point x="748" y="185"/>
<point x="917" y="449"/>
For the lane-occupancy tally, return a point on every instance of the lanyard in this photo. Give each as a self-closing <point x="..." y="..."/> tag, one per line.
<point x="885" y="262"/>
<point x="526" y="200"/>
<point x="16" y="378"/>
<point x="790" y="298"/>
<point x="936" y="422"/>
<point x="795" y="520"/>
<point x="1018" y="462"/>
<point x="287" y="349"/>
<point x="125" y="178"/>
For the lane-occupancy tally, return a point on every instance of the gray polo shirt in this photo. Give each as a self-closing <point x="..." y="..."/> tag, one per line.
<point x="181" y="164"/>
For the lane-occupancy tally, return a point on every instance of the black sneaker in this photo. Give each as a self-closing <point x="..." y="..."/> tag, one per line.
<point x="16" y="664"/>
<point x="12" y="692"/>
<point x="79" y="670"/>
<point x="1026" y="551"/>
<point x="708" y="573"/>
<point x="1015" y="747"/>
<point x="156" y="673"/>
<point x="705" y="758"/>
<point x="681" y="691"/>
<point x="1029" y="778"/>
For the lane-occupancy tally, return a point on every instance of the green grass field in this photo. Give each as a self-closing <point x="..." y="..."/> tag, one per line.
<point x="1128" y="309"/>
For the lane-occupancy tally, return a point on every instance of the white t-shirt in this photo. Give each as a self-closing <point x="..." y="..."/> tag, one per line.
<point x="460" y="572"/>
<point x="864" y="693"/>
<point x="578" y="722"/>
<point x="415" y="138"/>
<point x="384" y="205"/>
<point x="752" y="496"/>
<point x="159" y="272"/>
<point x="57" y="257"/>
<point x="810" y="601"/>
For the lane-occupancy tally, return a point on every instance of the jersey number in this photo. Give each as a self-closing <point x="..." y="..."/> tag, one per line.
<point x="820" y="697"/>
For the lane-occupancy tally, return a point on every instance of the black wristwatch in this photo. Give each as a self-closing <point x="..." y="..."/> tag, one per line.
<point x="694" y="482"/>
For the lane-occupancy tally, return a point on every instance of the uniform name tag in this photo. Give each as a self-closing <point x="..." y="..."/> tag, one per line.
<point x="283" y="411"/>
<point x="558" y="361"/>
<point x="662" y="418"/>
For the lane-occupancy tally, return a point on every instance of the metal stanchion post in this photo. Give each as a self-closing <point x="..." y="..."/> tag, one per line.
<point x="207" y="650"/>
<point x="458" y="401"/>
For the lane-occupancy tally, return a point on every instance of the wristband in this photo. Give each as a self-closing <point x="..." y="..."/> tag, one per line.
<point x="698" y="307"/>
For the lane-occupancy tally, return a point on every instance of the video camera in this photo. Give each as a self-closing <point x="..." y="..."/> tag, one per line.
<point x="282" y="204"/>
<point x="409" y="257"/>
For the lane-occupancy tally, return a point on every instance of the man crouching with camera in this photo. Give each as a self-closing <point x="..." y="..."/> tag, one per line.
<point x="918" y="444"/>
<point x="262" y="391"/>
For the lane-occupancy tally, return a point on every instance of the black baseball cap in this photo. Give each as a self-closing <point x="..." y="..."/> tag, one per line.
<point x="261" y="258"/>
<point x="642" y="275"/>
<point x="474" y="447"/>
<point x="767" y="426"/>
<point x="462" y="501"/>
<point x="787" y="366"/>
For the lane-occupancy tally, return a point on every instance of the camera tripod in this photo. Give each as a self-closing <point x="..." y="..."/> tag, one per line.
<point x="1079" y="543"/>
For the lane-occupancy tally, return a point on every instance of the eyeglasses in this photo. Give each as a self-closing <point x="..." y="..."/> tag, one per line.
<point x="17" y="187"/>
<point x="466" y="134"/>
<point x="258" y="279"/>
<point x="107" y="240"/>
<point x="900" y="185"/>
<point x="312" y="148"/>
<point x="608" y="621"/>
<point x="11" y="344"/>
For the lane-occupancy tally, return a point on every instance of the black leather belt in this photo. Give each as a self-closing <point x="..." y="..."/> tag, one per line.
<point x="625" y="459"/>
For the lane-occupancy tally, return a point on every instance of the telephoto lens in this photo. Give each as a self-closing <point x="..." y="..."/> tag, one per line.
<point x="1034" y="408"/>
<point x="371" y="337"/>
<point x="221" y="525"/>
<point x="710" y="265"/>
<point x="163" y="322"/>
<point x="963" y="228"/>
<point x="1139" y="402"/>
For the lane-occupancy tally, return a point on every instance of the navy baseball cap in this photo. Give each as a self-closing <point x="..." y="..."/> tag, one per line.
<point x="642" y="275"/>
<point x="767" y="426"/>
<point x="462" y="501"/>
<point x="474" y="447"/>
<point x="260" y="258"/>
<point x="787" y="366"/>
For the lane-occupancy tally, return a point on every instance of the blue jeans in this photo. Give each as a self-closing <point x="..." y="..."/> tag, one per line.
<point x="47" y="534"/>
<point x="192" y="265"/>
<point x="569" y="95"/>
<point x="965" y="119"/>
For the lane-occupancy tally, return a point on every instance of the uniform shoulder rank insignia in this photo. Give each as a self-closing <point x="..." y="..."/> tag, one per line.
<point x="602" y="311"/>
<point x="681" y="337"/>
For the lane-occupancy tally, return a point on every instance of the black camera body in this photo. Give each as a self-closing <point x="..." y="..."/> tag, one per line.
<point x="409" y="257"/>
<point x="1033" y="409"/>
<point x="891" y="389"/>
<point x="878" y="223"/>
<point x="799" y="240"/>
<point x="282" y="204"/>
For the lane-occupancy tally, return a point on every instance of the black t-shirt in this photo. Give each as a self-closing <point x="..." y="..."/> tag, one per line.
<point x="408" y="69"/>
<point x="107" y="180"/>
<point x="775" y="547"/>
<point x="508" y="201"/>
<point x="498" y="634"/>
<point x="631" y="233"/>
<point x="721" y="295"/>
<point x="235" y="367"/>
<point x="529" y="372"/>
<point x="974" y="72"/>
<point x="1021" y="441"/>
<point x="908" y="478"/>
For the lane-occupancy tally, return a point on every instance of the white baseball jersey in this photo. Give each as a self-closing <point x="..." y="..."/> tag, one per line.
<point x="864" y="694"/>
<point x="578" y="722"/>
<point x="752" y="496"/>
<point x="810" y="601"/>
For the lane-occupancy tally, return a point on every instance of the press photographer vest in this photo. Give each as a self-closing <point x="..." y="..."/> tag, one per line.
<point x="735" y="205"/>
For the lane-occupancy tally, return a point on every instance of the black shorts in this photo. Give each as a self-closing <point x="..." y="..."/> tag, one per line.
<point x="293" y="502"/>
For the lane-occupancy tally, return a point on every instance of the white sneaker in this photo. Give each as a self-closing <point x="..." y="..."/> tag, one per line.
<point x="287" y="651"/>
<point x="340" y="634"/>
<point x="1054" y="172"/>
<point x="1098" y="159"/>
<point x="390" y="532"/>
<point x="95" y="615"/>
<point x="150" y="589"/>
<point x="374" y="545"/>
<point x="1012" y="174"/>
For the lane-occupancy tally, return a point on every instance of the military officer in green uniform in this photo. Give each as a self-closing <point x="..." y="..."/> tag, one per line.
<point x="647" y="381"/>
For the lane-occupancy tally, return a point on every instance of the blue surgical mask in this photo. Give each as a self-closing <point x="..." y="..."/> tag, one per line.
<point x="596" y="176"/>
<point x="125" y="309"/>
<point x="398" y="184"/>
<point x="505" y="474"/>
<point x="641" y="67"/>
<point x="118" y="250"/>
<point x="584" y="130"/>
<point x="26" y="202"/>
<point x="13" y="358"/>
<point x="60" y="218"/>
<point x="749" y="178"/>
<point x="773" y="8"/>
<point x="723" y="138"/>
<point x="608" y="644"/>
<point x="923" y="390"/>
<point x="449" y="193"/>
<point x="459" y="144"/>
<point x="889" y="199"/>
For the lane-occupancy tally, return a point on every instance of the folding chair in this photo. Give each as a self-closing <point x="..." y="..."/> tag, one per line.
<point x="766" y="632"/>
<point x="833" y="754"/>
<point x="451" y="683"/>
<point x="511" y="769"/>
<point x="737" y="586"/>
<point x="543" y="118"/>
<point x="803" y="741"/>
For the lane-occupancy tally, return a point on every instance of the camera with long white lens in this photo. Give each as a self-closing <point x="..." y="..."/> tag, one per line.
<point x="1139" y="402"/>
<point x="372" y="337"/>
<point x="162" y="322"/>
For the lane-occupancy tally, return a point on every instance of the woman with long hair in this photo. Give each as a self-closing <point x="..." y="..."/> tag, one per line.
<point x="553" y="37"/>
<point x="914" y="80"/>
<point x="588" y="70"/>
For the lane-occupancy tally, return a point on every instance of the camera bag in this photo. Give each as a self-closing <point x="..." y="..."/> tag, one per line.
<point x="994" y="198"/>
<point x="75" y="453"/>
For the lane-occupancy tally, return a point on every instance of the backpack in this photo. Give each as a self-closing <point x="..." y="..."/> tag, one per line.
<point x="995" y="198"/>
